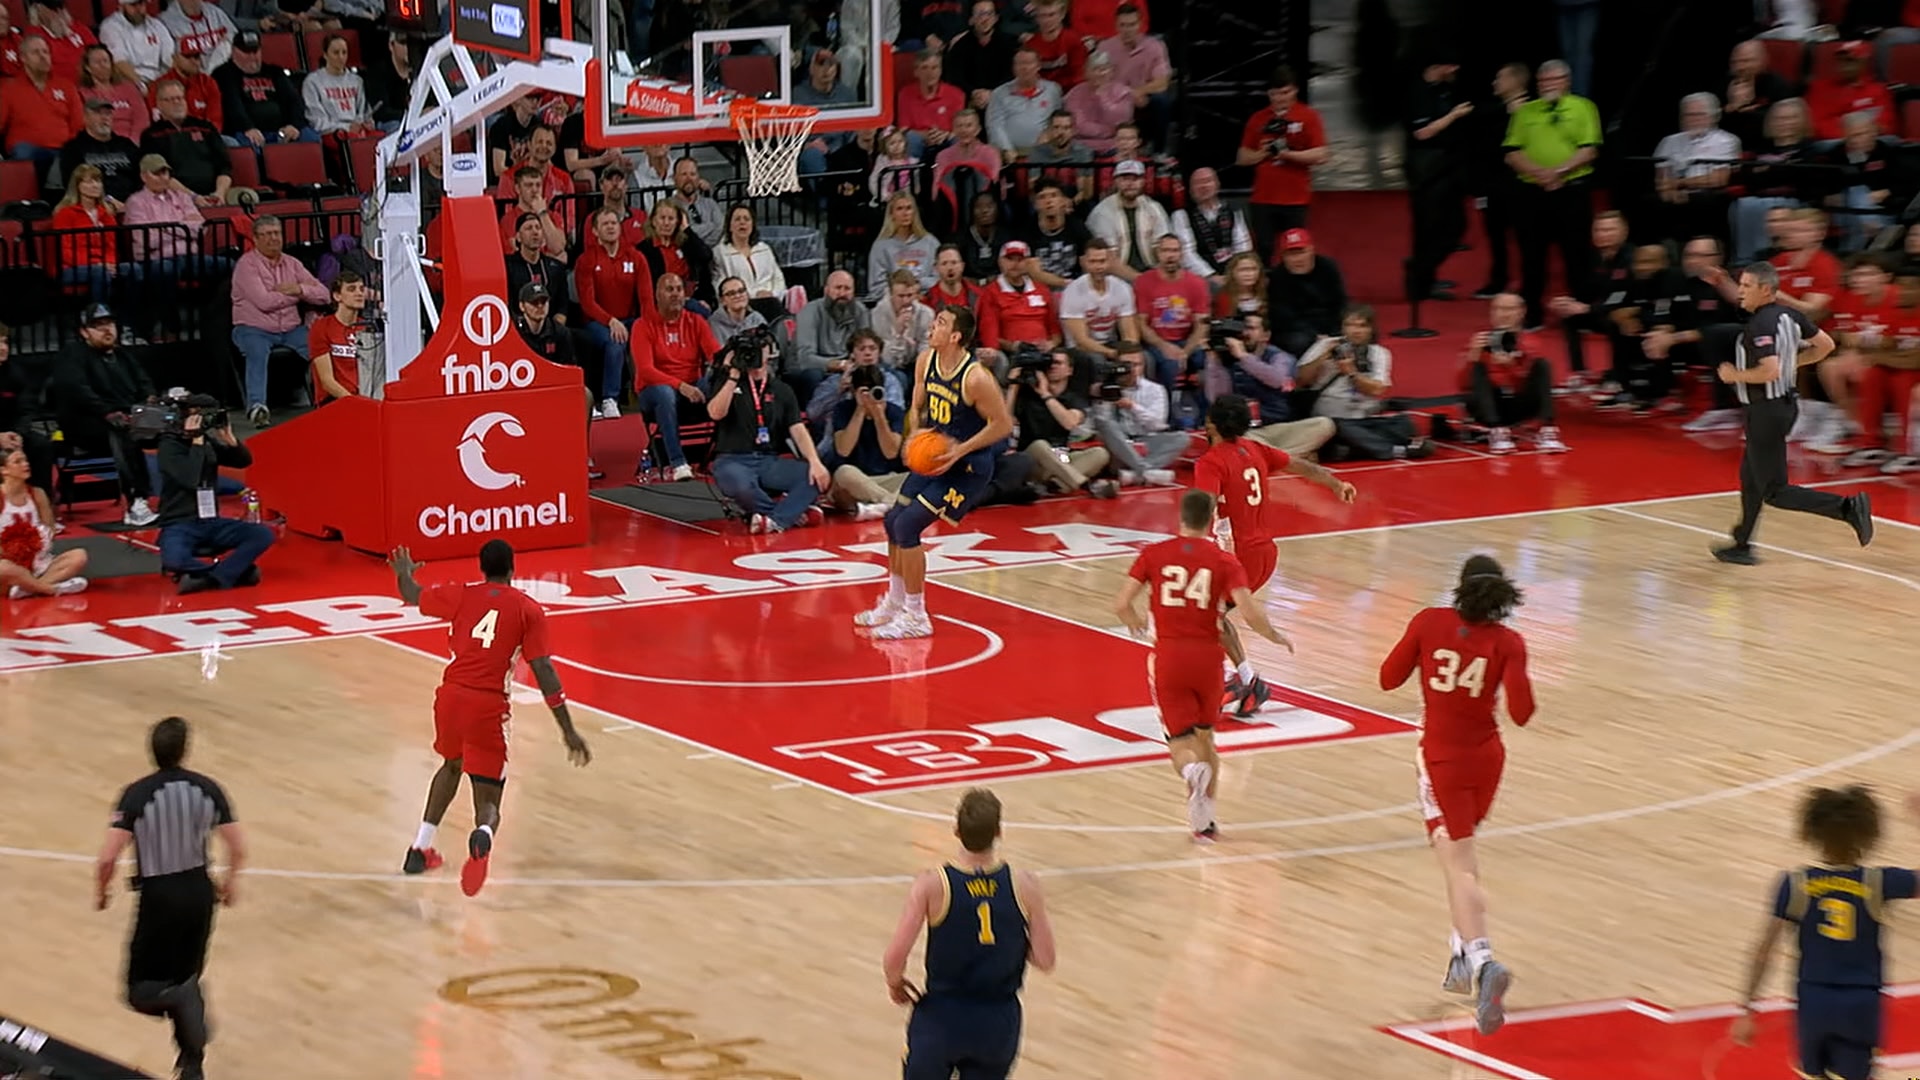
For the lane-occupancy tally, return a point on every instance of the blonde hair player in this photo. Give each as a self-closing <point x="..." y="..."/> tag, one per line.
<point x="1190" y="582"/>
<point x="1465" y="655"/>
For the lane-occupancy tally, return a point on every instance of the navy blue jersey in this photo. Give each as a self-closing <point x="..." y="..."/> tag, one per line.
<point x="947" y="408"/>
<point x="1839" y="912"/>
<point x="977" y="947"/>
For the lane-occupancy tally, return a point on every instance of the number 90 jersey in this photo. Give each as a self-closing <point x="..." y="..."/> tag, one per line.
<point x="977" y="948"/>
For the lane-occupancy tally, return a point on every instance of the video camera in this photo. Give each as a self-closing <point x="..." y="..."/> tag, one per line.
<point x="169" y="417"/>
<point x="1276" y="132"/>
<point x="1503" y="341"/>
<point x="869" y="380"/>
<point x="1221" y="331"/>
<point x="1107" y="376"/>
<point x="747" y="351"/>
<point x="1361" y="357"/>
<point x="1027" y="364"/>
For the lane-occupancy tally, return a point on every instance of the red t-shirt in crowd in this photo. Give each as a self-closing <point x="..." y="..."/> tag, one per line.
<point x="46" y="118"/>
<point x="1821" y="274"/>
<point x="1869" y="315"/>
<point x="1236" y="472"/>
<point x="671" y="351"/>
<point x="612" y="286"/>
<point x="939" y="299"/>
<point x="1017" y="314"/>
<point x="1170" y="307"/>
<point x="10" y="53"/>
<point x="1190" y="581"/>
<point x="333" y="339"/>
<point x="488" y="626"/>
<point x="1462" y="667"/>
<point x="915" y="111"/>
<point x="67" y="50"/>
<point x="1281" y="183"/>
<point x="1064" y="59"/>
<point x="1095" y="19"/>
<point x="1831" y="101"/>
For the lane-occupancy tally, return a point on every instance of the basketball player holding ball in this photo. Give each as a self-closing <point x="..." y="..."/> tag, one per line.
<point x="1234" y="470"/>
<point x="1465" y="655"/>
<point x="1190" y="583"/>
<point x="489" y="625"/>
<point x="957" y="397"/>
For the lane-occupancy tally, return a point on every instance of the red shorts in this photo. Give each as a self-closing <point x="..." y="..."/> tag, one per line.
<point x="472" y="725"/>
<point x="1258" y="556"/>
<point x="1457" y="793"/>
<point x="1188" y="682"/>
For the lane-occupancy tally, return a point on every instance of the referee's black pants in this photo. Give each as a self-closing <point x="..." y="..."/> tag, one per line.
<point x="167" y="953"/>
<point x="1438" y="199"/>
<point x="1763" y="469"/>
<point x="1562" y="219"/>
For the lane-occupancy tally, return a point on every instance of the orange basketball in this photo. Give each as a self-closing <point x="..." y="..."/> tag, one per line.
<point x="923" y="450"/>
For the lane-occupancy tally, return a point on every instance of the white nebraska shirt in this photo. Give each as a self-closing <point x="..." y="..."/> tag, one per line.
<point x="1102" y="311"/>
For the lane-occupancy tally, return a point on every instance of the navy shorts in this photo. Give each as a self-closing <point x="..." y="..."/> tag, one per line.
<point x="953" y="493"/>
<point x="1838" y="1029"/>
<point x="973" y="1040"/>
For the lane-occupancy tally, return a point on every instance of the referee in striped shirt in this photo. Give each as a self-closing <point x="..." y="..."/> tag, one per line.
<point x="1777" y="341"/>
<point x="167" y="816"/>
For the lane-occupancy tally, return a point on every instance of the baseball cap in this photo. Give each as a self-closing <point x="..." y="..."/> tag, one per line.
<point x="1130" y="167"/>
<point x="154" y="163"/>
<point x="101" y="103"/>
<point x="1016" y="249"/>
<point x="191" y="47"/>
<point x="1295" y="238"/>
<point x="246" y="41"/>
<point x="94" y="313"/>
<point x="200" y="401"/>
<point x="533" y="291"/>
<point x="1855" y="50"/>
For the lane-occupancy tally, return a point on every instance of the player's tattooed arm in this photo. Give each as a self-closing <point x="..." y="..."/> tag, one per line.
<point x="1317" y="473"/>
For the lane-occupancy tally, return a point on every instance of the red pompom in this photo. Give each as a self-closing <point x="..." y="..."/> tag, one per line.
<point x="21" y="542"/>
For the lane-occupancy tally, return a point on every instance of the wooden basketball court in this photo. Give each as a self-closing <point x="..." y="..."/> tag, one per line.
<point x="679" y="909"/>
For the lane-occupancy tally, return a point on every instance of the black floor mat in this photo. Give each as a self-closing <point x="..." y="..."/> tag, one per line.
<point x="691" y="502"/>
<point x="108" y="557"/>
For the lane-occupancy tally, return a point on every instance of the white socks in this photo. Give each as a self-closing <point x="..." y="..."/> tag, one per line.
<point x="914" y="604"/>
<point x="1478" y="953"/>
<point x="488" y="829"/>
<point x="1456" y="944"/>
<point x="1245" y="671"/>
<point x="1198" y="775"/>
<point x="896" y="590"/>
<point x="424" y="838"/>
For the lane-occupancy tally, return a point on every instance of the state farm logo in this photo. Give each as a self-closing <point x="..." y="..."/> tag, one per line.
<point x="652" y="104"/>
<point x="473" y="451"/>
<point x="486" y="322"/>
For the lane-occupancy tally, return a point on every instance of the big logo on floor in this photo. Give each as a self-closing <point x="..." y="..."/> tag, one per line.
<point x="999" y="691"/>
<point x="1635" y="1040"/>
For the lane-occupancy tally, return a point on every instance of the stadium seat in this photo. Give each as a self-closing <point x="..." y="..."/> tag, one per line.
<point x="315" y="43"/>
<point x="82" y="12"/>
<point x="1824" y="55"/>
<point x="363" y="163"/>
<point x="1903" y="64"/>
<point x="753" y="75"/>
<point x="1910" y="119"/>
<point x="341" y="214"/>
<point x="281" y="49"/>
<point x="18" y="182"/>
<point x="298" y="166"/>
<point x="228" y="230"/>
<point x="1787" y="59"/>
<point x="245" y="166"/>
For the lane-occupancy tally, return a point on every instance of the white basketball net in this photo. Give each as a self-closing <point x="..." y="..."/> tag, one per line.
<point x="773" y="141"/>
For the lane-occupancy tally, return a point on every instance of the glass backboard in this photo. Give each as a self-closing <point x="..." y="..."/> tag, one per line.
<point x="665" y="71"/>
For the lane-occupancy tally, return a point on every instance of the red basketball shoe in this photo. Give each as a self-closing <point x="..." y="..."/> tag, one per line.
<point x="421" y="860"/>
<point x="473" y="875"/>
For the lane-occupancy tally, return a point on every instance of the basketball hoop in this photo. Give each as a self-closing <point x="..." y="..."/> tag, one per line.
<point x="773" y="136"/>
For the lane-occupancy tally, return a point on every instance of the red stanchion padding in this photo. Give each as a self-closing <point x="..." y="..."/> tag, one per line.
<point x="478" y="438"/>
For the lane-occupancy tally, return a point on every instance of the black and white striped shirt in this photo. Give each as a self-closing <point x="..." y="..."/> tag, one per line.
<point x="170" y="814"/>
<point x="1774" y="330"/>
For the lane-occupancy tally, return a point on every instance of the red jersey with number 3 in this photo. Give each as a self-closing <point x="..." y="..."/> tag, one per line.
<point x="1190" y="582"/>
<point x="1462" y="668"/>
<point x="1236" y="472"/>
<point x="489" y="625"/>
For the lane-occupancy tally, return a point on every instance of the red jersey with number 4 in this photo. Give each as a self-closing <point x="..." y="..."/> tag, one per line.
<point x="1190" y="582"/>
<point x="1462" y="668"/>
<point x="1236" y="472"/>
<point x="489" y="625"/>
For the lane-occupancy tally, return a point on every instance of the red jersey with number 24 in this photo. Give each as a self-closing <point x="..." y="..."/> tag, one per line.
<point x="1462" y="668"/>
<point x="1189" y="583"/>
<point x="1236" y="472"/>
<point x="489" y="625"/>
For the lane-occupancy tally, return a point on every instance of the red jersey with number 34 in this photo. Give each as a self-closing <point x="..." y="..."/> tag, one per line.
<point x="488" y="626"/>
<point x="1189" y="583"/>
<point x="1236" y="472"/>
<point x="1462" y="668"/>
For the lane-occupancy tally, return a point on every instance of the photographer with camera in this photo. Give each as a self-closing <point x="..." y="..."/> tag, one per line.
<point x="1244" y="360"/>
<point x="1048" y="414"/>
<point x="867" y="424"/>
<point x="865" y="349"/>
<point x="1282" y="142"/>
<point x="1508" y="382"/>
<point x="96" y="389"/>
<point x="1351" y="376"/>
<point x="1135" y="413"/>
<point x="192" y="452"/>
<point x="754" y="412"/>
